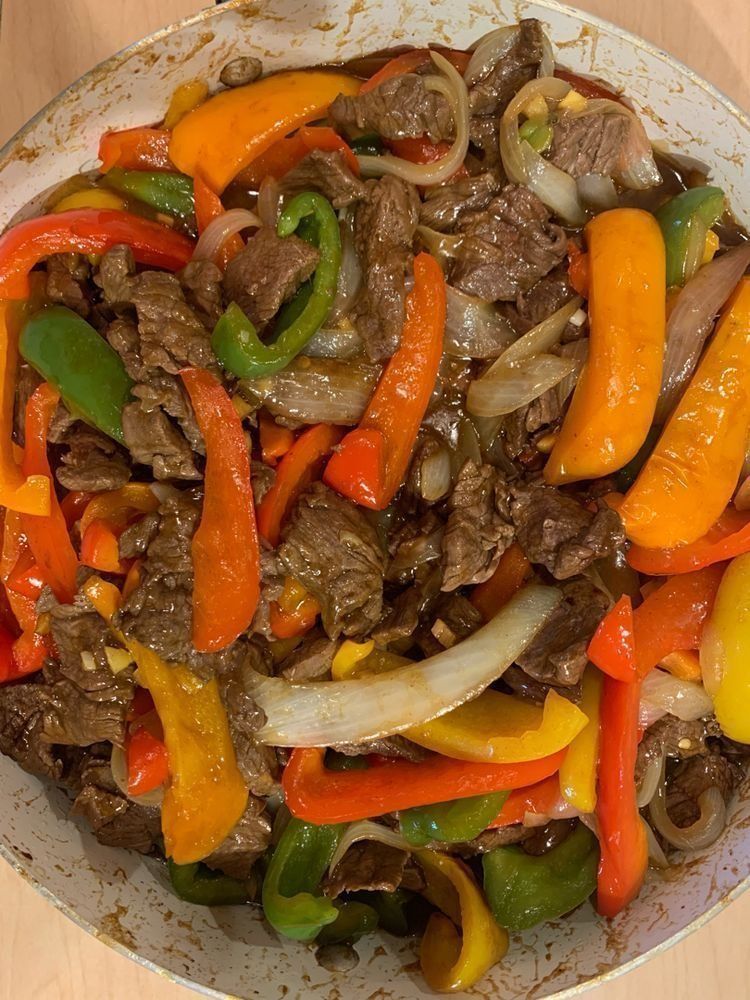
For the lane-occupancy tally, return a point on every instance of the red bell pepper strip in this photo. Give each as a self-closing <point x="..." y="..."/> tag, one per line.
<point x="587" y="87"/>
<point x="48" y="536"/>
<point x="15" y="548"/>
<point x="410" y="61"/>
<point x="226" y="556"/>
<point x="578" y="269"/>
<point x="148" y="762"/>
<point x="729" y="537"/>
<point x="371" y="462"/>
<point x="422" y="150"/>
<point x="26" y="578"/>
<point x="136" y="149"/>
<point x="294" y="613"/>
<point x="493" y="594"/>
<point x="297" y="469"/>
<point x="85" y="230"/>
<point x="539" y="799"/>
<point x="624" y="852"/>
<point x="30" y="650"/>
<point x="286" y="153"/>
<point x="319" y="796"/>
<point x="73" y="505"/>
<point x="100" y="549"/>
<point x="612" y="647"/>
<point x="208" y="206"/>
<point x="275" y="440"/>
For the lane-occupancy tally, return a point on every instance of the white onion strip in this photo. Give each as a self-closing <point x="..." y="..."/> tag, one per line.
<point x="664" y="693"/>
<point x="221" y="228"/>
<point x="705" y="831"/>
<point x="489" y="50"/>
<point x="325" y="713"/>
<point x="513" y="386"/>
<point x="367" y="830"/>
<point x="540" y="338"/>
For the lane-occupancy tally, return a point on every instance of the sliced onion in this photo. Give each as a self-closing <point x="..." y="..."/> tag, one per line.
<point x="221" y="228"/>
<point x="685" y="699"/>
<point x="474" y="328"/>
<point x="365" y="829"/>
<point x="334" y="342"/>
<point x="410" y="556"/>
<point x="597" y="192"/>
<point x="119" y="767"/>
<point x="650" y="781"/>
<point x="713" y="659"/>
<point x="350" y="272"/>
<point x="443" y="246"/>
<point x="705" y="831"/>
<point x="541" y="337"/>
<point x="547" y="64"/>
<point x="435" y="475"/>
<point x="513" y="386"/>
<point x="489" y="51"/>
<point x="325" y="713"/>
<point x="452" y="87"/>
<point x="269" y="201"/>
<point x="576" y="352"/>
<point x="692" y="318"/>
<point x="655" y="853"/>
<point x="468" y="448"/>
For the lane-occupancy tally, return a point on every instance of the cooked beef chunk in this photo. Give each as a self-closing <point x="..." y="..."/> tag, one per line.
<point x="414" y="546"/>
<point x="22" y="709"/>
<point x="673" y="737"/>
<point x="240" y="71"/>
<point x="555" y="530"/>
<point x="115" y="820"/>
<point x="163" y="391"/>
<point x="545" y="838"/>
<point x="397" y="747"/>
<point x="399" y="108"/>
<point x="152" y="439"/>
<point x="548" y="295"/>
<point x="368" y="865"/>
<point x="263" y="477"/>
<point x="310" y="661"/>
<point x="201" y="283"/>
<point x="478" y="530"/>
<point x="589" y="145"/>
<point x="557" y="654"/>
<point x="691" y="778"/>
<point x="122" y="335"/>
<point x="520" y="64"/>
<point x="446" y="203"/>
<point x="484" y="134"/>
<point x="507" y="247"/>
<point x="332" y="548"/>
<point x="171" y="334"/>
<point x="525" y="686"/>
<point x="454" y="619"/>
<point x="116" y="269"/>
<point x="327" y="172"/>
<point x="27" y="380"/>
<point x="67" y="274"/>
<point x="384" y="225"/>
<point x="503" y="836"/>
<point x="257" y="762"/>
<point x="92" y="462"/>
<point x="134" y="540"/>
<point x="523" y="428"/>
<point x="237" y="854"/>
<point x="267" y="273"/>
<point x="401" y="616"/>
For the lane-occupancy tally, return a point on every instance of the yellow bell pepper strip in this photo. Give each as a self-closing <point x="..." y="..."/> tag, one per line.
<point x="90" y="198"/>
<point x="184" y="99"/>
<point x="502" y="728"/>
<point x="693" y="471"/>
<point x="451" y="962"/>
<point x="578" y="771"/>
<point x="725" y="651"/>
<point x="17" y="492"/>
<point x="119" y="507"/>
<point x="614" y="402"/>
<point x="348" y="656"/>
<point x="232" y="128"/>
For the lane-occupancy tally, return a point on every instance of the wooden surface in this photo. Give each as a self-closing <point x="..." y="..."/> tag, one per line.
<point x="46" y="44"/>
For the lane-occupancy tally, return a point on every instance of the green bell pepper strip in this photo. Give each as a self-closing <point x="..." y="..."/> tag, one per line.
<point x="294" y="873"/>
<point x="235" y="340"/>
<point x="369" y="144"/>
<point x="524" y="891"/>
<point x="197" y="884"/>
<point x="538" y="133"/>
<point x="685" y="220"/>
<point x="451" y="822"/>
<point x="89" y="375"/>
<point x="170" y="193"/>
<point x="354" y="920"/>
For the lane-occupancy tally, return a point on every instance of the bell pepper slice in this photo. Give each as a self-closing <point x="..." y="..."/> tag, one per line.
<point x="100" y="549"/>
<point x="614" y="401"/>
<point x="421" y="149"/>
<point x="685" y="221"/>
<point x="300" y="466"/>
<point x="318" y="795"/>
<point x="234" y="127"/>
<point x="683" y="664"/>
<point x="23" y="656"/>
<point x="136" y="149"/>
<point x="286" y="153"/>
<point x="26" y="578"/>
<point x="489" y="597"/>
<point x="199" y="885"/>
<point x="164" y="191"/>
<point x="184" y="99"/>
<point x="538" y="799"/>
<point x="90" y="198"/>
<point x="727" y="538"/>
<point x="47" y="536"/>
<point x="622" y="839"/>
<point x="226" y="555"/>
<point x="450" y="822"/>
<point x="353" y="921"/>
<point x="449" y="962"/>
<point x="119" y="507"/>
<point x="612" y="646"/>
<point x="87" y="231"/>
<point x="88" y="373"/>
<point x="524" y="891"/>
<point x="578" y="269"/>
<point x="275" y="440"/>
<point x="148" y="761"/>
<point x="578" y="772"/>
<point x="295" y="612"/>
<point x="370" y="464"/>
<point x="408" y="62"/>
<point x="16" y="548"/>
<point x="692" y="472"/>
<point x="208" y="207"/>
<point x="73" y="505"/>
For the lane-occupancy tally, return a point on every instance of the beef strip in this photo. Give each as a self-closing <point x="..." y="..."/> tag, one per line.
<point x="153" y="439"/>
<point x="201" y="283"/>
<point x="256" y="761"/>
<point x="454" y="619"/>
<point x="67" y="275"/>
<point x="674" y="738"/>
<point x="691" y="778"/>
<point x="588" y="145"/>
<point x="396" y="747"/>
<point x="414" y="547"/>
<point x="163" y="391"/>
<point x="526" y="687"/>
<point x="487" y="841"/>
<point x="91" y="461"/>
<point x="122" y="335"/>
<point x="116" y="821"/>
<point x="555" y="530"/>
<point x="171" y="335"/>
<point x="478" y="529"/>
<point x="135" y="540"/>
<point x="548" y="295"/>
<point x="114" y="277"/>
<point x="328" y="172"/>
<point x="332" y="548"/>
<point x="544" y="839"/>
<point x="557" y="654"/>
<point x="368" y="865"/>
<point x="484" y="135"/>
<point x="267" y="273"/>
<point x="507" y="247"/>
<point x="263" y="477"/>
<point x="237" y="854"/>
<point x="384" y="225"/>
<point x="493" y="92"/>
<point x="310" y="661"/>
<point x="22" y="710"/>
<point x="403" y="612"/>
<point x="445" y="204"/>
<point x="399" y="108"/>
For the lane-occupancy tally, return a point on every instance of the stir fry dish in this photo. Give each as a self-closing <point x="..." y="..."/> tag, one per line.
<point x="376" y="533"/>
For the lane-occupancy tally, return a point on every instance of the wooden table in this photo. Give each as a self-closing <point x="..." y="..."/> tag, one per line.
<point x="44" y="45"/>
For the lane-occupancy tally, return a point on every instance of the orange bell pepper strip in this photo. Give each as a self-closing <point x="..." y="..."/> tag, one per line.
<point x="28" y="653"/>
<point x="132" y="579"/>
<point x="275" y="440"/>
<point x="692" y="472"/>
<point x="612" y="646"/>
<point x="226" y="556"/>
<point x="318" y="795"/>
<point x="489" y="597"/>
<point x="135" y="149"/>
<point x="614" y="402"/>
<point x="408" y="62"/>
<point x="578" y="269"/>
<point x="208" y="207"/>
<point x="539" y="799"/>
<point x="15" y="548"/>
<point x="48" y="536"/>
<point x="297" y="469"/>
<point x="119" y="508"/>
<point x="233" y="128"/>
<point x="286" y="153"/>
<point x="100" y="549"/>
<point x="295" y="612"/>
<point x="727" y="538"/>
<point x="684" y="664"/>
<point x="370" y="464"/>
<point x="622" y="839"/>
<point x="26" y="578"/>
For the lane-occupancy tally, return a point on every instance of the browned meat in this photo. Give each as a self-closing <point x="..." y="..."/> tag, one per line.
<point x="503" y="836"/>
<point x="153" y="439"/>
<point x="240" y="71"/>
<point x="691" y="778"/>
<point x="263" y="477"/>
<point x="384" y="225"/>
<point x="115" y="820"/>
<point x="414" y="546"/>
<point x="673" y="737"/>
<point x="171" y="334"/>
<point x="484" y="133"/>
<point x="164" y="391"/>
<point x="445" y="204"/>
<point x="397" y="747"/>
<point x="399" y="108"/>
<point x="134" y="540"/>
<point x="507" y="247"/>
<point x="92" y="462"/>
<point x="525" y="686"/>
<point x="520" y="64"/>
<point x="545" y="838"/>
<point x="548" y="295"/>
<point x="122" y="335"/>
<point x="116" y="269"/>
<point x="555" y="530"/>
<point x="201" y="283"/>
<point x="333" y="550"/>
<point x="327" y="172"/>
<point x="267" y="273"/>
<point x="557" y="654"/>
<point x="589" y="145"/>
<point x="478" y="530"/>
<point x="402" y="615"/>
<point x="368" y="865"/>
<point x="257" y="762"/>
<point x="521" y="429"/>
<point x="310" y="661"/>
<point x="67" y="274"/>
<point x="454" y="618"/>
<point x="22" y="709"/>
<point x="237" y="854"/>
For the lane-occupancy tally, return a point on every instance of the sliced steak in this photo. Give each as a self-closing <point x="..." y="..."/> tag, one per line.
<point x="256" y="761"/>
<point x="588" y="145"/>
<point x="153" y="439"/>
<point x="396" y="747"/>
<point x="135" y="539"/>
<point x="91" y="461"/>
<point x="201" y="283"/>
<point x="310" y="661"/>
<point x="22" y="711"/>
<point x="549" y="294"/>
<point x="115" y="820"/>
<point x="163" y="391"/>
<point x="520" y="64"/>
<point x="367" y="866"/>
<point x="327" y="172"/>
<point x="116" y="269"/>
<point x="454" y="618"/>
<point x="237" y="854"/>
<point x="172" y="337"/>
<point x="445" y="204"/>
<point x="399" y="108"/>
<point x="67" y="275"/>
